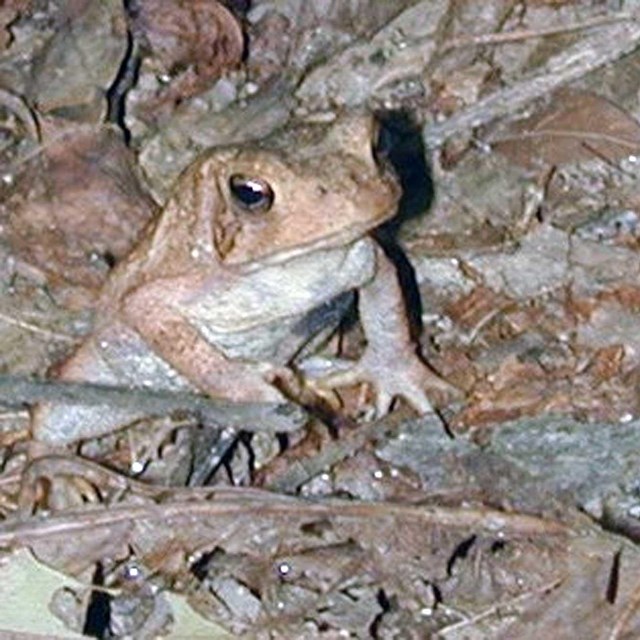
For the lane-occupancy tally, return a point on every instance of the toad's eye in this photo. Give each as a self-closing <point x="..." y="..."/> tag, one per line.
<point x="251" y="194"/>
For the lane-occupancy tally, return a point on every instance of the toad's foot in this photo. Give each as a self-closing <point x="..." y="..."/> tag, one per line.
<point x="401" y="374"/>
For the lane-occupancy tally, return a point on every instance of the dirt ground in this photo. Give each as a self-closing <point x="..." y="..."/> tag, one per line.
<point x="513" y="511"/>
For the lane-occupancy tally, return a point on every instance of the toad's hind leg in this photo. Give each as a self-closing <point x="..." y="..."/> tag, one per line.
<point x="113" y="356"/>
<point x="390" y="362"/>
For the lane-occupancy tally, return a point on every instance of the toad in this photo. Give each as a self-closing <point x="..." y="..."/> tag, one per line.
<point x="256" y="253"/>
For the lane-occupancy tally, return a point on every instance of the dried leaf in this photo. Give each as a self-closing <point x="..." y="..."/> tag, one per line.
<point x="77" y="206"/>
<point x="191" y="43"/>
<point x="82" y="59"/>
<point x="514" y="390"/>
<point x="476" y="308"/>
<point x="281" y="562"/>
<point x="27" y="585"/>
<point x="576" y="126"/>
<point x="9" y="12"/>
<point x="200" y="33"/>
<point x="607" y="363"/>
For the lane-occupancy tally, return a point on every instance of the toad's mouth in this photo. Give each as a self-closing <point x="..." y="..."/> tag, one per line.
<point x="335" y="240"/>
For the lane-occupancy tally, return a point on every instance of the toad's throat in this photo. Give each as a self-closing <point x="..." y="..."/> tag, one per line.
<point x="335" y="240"/>
<point x="281" y="290"/>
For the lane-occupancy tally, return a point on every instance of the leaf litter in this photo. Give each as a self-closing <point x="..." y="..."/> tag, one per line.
<point x="520" y="519"/>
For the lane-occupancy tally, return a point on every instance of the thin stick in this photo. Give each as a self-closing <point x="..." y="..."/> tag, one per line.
<point x="298" y="472"/>
<point x="527" y="34"/>
<point x="257" y="416"/>
<point x="60" y="337"/>
<point x="629" y="610"/>
<point x="500" y="607"/>
<point x="269" y="505"/>
<point x="603" y="47"/>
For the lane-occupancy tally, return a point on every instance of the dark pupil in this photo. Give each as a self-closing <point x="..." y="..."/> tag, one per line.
<point x="252" y="194"/>
<point x="249" y="193"/>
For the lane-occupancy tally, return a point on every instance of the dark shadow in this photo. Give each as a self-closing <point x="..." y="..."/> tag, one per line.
<point x="239" y="7"/>
<point x="126" y="78"/>
<point x="400" y="144"/>
<point x="96" y="624"/>
<point x="461" y="552"/>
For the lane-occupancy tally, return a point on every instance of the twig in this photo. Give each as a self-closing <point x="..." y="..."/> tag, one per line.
<point x="498" y="608"/>
<point x="526" y="34"/>
<point x="580" y="136"/>
<point x="236" y="504"/>
<point x="629" y="610"/>
<point x="19" y="107"/>
<point x="300" y="471"/>
<point x="60" y="337"/>
<point x="256" y="416"/>
<point x="590" y="53"/>
<point x="67" y="464"/>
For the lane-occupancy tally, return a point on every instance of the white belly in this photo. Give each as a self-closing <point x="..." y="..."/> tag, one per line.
<point x="264" y="315"/>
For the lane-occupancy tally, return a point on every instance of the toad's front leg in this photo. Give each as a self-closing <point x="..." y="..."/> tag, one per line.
<point x="169" y="333"/>
<point x="147" y="342"/>
<point x="390" y="362"/>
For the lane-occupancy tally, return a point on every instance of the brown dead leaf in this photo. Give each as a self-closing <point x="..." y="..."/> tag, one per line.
<point x="575" y="126"/>
<point x="476" y="308"/>
<point x="191" y="43"/>
<point x="9" y="11"/>
<point x="579" y="308"/>
<point x="366" y="477"/>
<point x="601" y="584"/>
<point x="198" y="33"/>
<point x="514" y="390"/>
<point x="77" y="206"/>
<point x="257" y="562"/>
<point x="276" y="561"/>
<point x="598" y="384"/>
<point x="626" y="295"/>
<point x="607" y="362"/>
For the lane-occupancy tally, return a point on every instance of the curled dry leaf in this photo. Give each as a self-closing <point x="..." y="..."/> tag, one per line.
<point x="476" y="308"/>
<point x="575" y="126"/>
<point x="9" y="11"/>
<point x="514" y="390"/>
<point x="252" y="560"/>
<point x="260" y="563"/>
<point x="190" y="43"/>
<point x="607" y="362"/>
<point x="81" y="60"/>
<point x="77" y="206"/>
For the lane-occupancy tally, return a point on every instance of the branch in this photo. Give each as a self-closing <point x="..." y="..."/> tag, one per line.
<point x="256" y="416"/>
<point x="590" y="53"/>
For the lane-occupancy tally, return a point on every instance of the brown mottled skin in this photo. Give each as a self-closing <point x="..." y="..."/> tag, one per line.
<point x="217" y="296"/>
